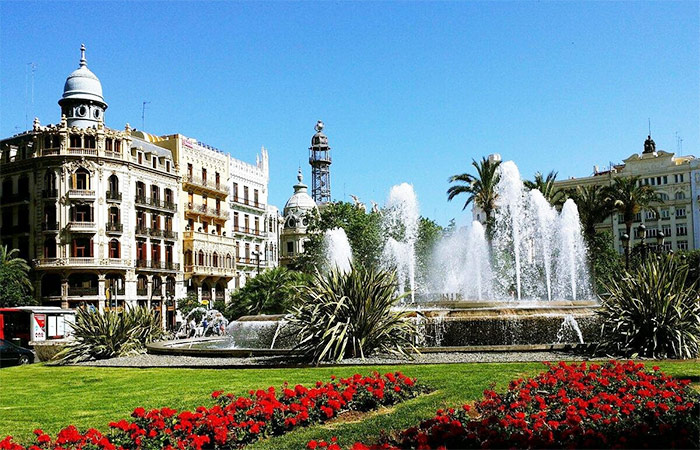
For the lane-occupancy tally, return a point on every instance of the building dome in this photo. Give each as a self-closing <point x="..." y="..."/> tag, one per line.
<point x="300" y="201"/>
<point x="83" y="85"/>
<point x="319" y="139"/>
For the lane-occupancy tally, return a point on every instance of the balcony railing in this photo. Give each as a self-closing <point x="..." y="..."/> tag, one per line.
<point x="155" y="203"/>
<point x="151" y="264"/>
<point x="141" y="231"/>
<point x="114" y="196"/>
<point x="74" y="291"/>
<point x="141" y="291"/>
<point x="251" y="261"/>
<point x="49" y="226"/>
<point x="81" y="193"/>
<point x="155" y="232"/>
<point x="247" y="202"/>
<point x="210" y="270"/>
<point x="169" y="234"/>
<point x="49" y="193"/>
<point x="82" y="226"/>
<point x="14" y="198"/>
<point x="82" y="151"/>
<point x="250" y="231"/>
<point x="114" y="227"/>
<point x="210" y="185"/>
<point x="227" y="241"/>
<point x="204" y="210"/>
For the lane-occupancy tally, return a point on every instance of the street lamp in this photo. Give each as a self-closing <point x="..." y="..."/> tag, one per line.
<point x="257" y="257"/>
<point x="660" y="241"/>
<point x="642" y="231"/>
<point x="626" y="240"/>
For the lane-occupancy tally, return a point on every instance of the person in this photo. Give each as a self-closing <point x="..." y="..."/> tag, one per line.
<point x="192" y="328"/>
<point x="204" y="326"/>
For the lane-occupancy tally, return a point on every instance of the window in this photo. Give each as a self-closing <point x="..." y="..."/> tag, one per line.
<point x="139" y="157"/>
<point x="246" y="222"/>
<point x="81" y="179"/>
<point x="218" y="206"/>
<point x="680" y="212"/>
<point x="290" y="247"/>
<point x="155" y="162"/>
<point x="189" y="170"/>
<point x="666" y="229"/>
<point x="113" y="215"/>
<point x="235" y="192"/>
<point x="168" y="223"/>
<point x="678" y="178"/>
<point x="155" y="222"/>
<point x="620" y="218"/>
<point x="638" y="217"/>
<point x="168" y="196"/>
<point x="155" y="194"/>
<point x="140" y="220"/>
<point x="169" y="253"/>
<point x="682" y="245"/>
<point x="665" y="214"/>
<point x="81" y="248"/>
<point x="247" y="251"/>
<point x="650" y="215"/>
<point x="82" y="213"/>
<point x="204" y="176"/>
<point x="50" y="247"/>
<point x="201" y="258"/>
<point x="155" y="252"/>
<point x="113" y="184"/>
<point x="235" y="221"/>
<point x="245" y="194"/>
<point x="255" y="197"/>
<point x="167" y="166"/>
<point x="141" y="250"/>
<point x="663" y="196"/>
<point x="140" y="190"/>
<point x="114" y="249"/>
<point x="205" y="227"/>
<point x="215" y="260"/>
<point x="680" y="195"/>
<point x="218" y="179"/>
<point x="108" y="145"/>
<point x="681" y="229"/>
<point x="75" y="141"/>
<point x="665" y="179"/>
<point x="257" y="226"/>
<point x="90" y="142"/>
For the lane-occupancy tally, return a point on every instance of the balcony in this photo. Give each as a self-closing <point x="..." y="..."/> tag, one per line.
<point x="249" y="231"/>
<point x="114" y="196"/>
<point x="207" y="185"/>
<point x="81" y="193"/>
<point x="142" y="292"/>
<point x="47" y="263"/>
<point x="49" y="193"/>
<point x="74" y="291"/>
<point x="203" y="210"/>
<point x="157" y="265"/>
<point x="14" y="198"/>
<point x="155" y="203"/>
<point x="82" y="226"/>
<point x="114" y="228"/>
<point x="228" y="242"/>
<point x="237" y="201"/>
<point x="170" y="234"/>
<point x="203" y="270"/>
<point x="155" y="232"/>
<point x="82" y="151"/>
<point x="141" y="231"/>
<point x="49" y="226"/>
<point x="251" y="261"/>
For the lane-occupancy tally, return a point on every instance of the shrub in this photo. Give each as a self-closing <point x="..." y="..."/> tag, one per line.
<point x="349" y="315"/>
<point x="651" y="311"/>
<point x="108" y="334"/>
<point x="274" y="291"/>
<point x="612" y="405"/>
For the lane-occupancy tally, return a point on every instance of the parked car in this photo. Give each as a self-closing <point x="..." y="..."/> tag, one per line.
<point x="11" y="354"/>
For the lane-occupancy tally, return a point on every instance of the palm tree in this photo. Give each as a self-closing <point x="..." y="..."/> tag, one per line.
<point x="480" y="188"/>
<point x="628" y="197"/>
<point x="546" y="186"/>
<point x="593" y="206"/>
<point x="14" y="279"/>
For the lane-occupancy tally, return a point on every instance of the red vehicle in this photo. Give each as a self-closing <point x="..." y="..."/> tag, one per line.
<point x="31" y="324"/>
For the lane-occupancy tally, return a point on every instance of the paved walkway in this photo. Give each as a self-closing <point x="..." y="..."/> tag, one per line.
<point x="147" y="361"/>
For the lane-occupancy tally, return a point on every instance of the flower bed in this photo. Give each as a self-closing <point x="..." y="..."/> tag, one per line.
<point x="613" y="405"/>
<point x="233" y="422"/>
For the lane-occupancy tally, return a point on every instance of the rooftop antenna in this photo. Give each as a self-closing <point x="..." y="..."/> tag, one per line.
<point x="679" y="144"/>
<point x="649" y="119"/>
<point x="30" y="67"/>
<point x="143" y="115"/>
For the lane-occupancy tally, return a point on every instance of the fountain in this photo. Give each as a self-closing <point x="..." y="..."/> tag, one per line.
<point x="526" y="287"/>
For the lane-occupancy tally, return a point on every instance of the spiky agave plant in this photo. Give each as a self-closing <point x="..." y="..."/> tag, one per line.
<point x="108" y="334"/>
<point x="651" y="312"/>
<point x="346" y="315"/>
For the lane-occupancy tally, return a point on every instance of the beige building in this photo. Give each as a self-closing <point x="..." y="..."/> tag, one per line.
<point x="670" y="176"/>
<point x="93" y="208"/>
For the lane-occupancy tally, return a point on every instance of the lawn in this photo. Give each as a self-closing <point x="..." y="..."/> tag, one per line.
<point x="50" y="398"/>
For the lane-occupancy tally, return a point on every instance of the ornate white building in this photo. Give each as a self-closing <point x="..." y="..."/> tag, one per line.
<point x="295" y="222"/>
<point x="92" y="207"/>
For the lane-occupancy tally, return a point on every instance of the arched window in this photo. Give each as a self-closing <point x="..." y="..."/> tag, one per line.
<point x="50" y="180"/>
<point x="114" y="249"/>
<point x="680" y="195"/>
<point x="201" y="258"/>
<point x="157" y="286"/>
<point x="81" y="179"/>
<point x="215" y="260"/>
<point x="188" y="258"/>
<point x="663" y="196"/>
<point x="113" y="185"/>
<point x="140" y="190"/>
<point x="228" y="261"/>
<point x="170" y="286"/>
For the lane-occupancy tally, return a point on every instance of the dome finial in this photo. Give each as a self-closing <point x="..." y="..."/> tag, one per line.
<point x="319" y="126"/>
<point x="83" y="61"/>
<point x="300" y="177"/>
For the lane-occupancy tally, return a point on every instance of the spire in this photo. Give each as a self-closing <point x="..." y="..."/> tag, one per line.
<point x="300" y="177"/>
<point x="83" y="61"/>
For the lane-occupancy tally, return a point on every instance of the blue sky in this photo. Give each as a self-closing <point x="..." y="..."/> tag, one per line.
<point x="408" y="91"/>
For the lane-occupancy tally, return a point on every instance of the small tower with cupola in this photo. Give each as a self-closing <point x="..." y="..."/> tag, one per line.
<point x="82" y="102"/>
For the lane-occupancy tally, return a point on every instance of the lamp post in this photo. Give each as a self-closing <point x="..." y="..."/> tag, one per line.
<point x="257" y="259"/>
<point x="626" y="240"/>
<point x="642" y="231"/>
<point x="660" y="242"/>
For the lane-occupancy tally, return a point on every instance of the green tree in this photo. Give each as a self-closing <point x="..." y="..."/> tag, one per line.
<point x="628" y="197"/>
<point x="593" y="206"/>
<point x="187" y="304"/>
<point x="480" y="189"/>
<point x="546" y="186"/>
<point x="605" y="260"/>
<point x="429" y="233"/>
<point x="274" y="291"/>
<point x="362" y="228"/>
<point x="15" y="286"/>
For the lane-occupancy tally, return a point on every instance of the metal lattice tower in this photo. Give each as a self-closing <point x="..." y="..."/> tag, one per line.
<point x="320" y="160"/>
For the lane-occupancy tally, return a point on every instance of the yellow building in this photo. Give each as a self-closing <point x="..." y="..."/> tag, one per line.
<point x="670" y="176"/>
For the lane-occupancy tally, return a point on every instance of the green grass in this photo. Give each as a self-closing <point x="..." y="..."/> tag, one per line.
<point x="50" y="398"/>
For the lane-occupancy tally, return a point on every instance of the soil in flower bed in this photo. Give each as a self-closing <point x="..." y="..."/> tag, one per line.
<point x="234" y="422"/>
<point x="610" y="405"/>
